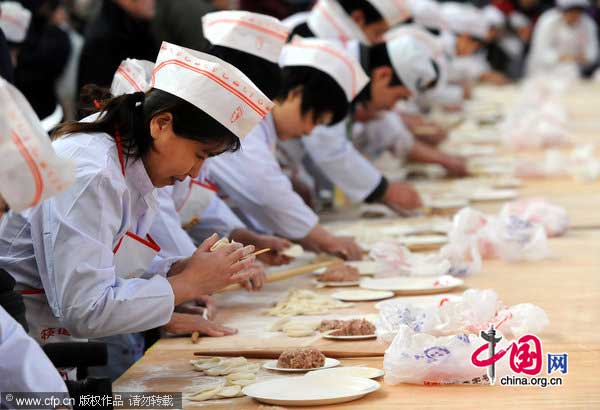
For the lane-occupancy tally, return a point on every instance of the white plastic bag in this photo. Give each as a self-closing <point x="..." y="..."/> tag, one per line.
<point x="553" y="218"/>
<point x="30" y="171"/>
<point x="507" y="237"/>
<point x="419" y="358"/>
<point x="473" y="311"/>
<point x="397" y="259"/>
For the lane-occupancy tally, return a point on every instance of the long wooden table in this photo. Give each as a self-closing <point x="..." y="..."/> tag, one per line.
<point x="566" y="286"/>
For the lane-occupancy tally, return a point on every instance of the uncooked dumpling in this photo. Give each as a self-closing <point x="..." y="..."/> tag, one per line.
<point x="230" y="391"/>
<point x="241" y="376"/>
<point x="205" y="393"/>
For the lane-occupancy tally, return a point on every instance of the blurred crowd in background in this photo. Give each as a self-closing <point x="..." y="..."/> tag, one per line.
<point x="70" y="43"/>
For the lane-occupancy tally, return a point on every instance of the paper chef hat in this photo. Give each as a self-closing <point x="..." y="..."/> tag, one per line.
<point x="428" y="14"/>
<point x="493" y="16"/>
<point x="567" y="4"/>
<point x="253" y="33"/>
<point x="465" y="19"/>
<point x="412" y="62"/>
<point x="327" y="19"/>
<point x="393" y="11"/>
<point x="30" y="170"/>
<point x="212" y="85"/>
<point x="14" y="21"/>
<point x="132" y="76"/>
<point x="329" y="57"/>
<point x="433" y="43"/>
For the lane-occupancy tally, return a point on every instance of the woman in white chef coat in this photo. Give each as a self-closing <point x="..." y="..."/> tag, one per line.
<point x="25" y="146"/>
<point x="84" y="260"/>
<point x="194" y="203"/>
<point x="319" y="79"/>
<point x="565" y="34"/>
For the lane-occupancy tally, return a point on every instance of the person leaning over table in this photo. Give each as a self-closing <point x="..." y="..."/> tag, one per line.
<point x="239" y="38"/>
<point x="135" y="75"/>
<point x="398" y="69"/>
<point x="319" y="79"/>
<point x="23" y="183"/>
<point x="419" y="63"/>
<point x="564" y="34"/>
<point x="83" y="259"/>
<point x="471" y="30"/>
<point x="193" y="203"/>
<point x="330" y="147"/>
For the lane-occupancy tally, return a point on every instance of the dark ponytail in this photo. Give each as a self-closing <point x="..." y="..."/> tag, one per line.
<point x="130" y="115"/>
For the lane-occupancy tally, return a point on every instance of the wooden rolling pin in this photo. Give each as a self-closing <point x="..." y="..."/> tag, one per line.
<point x="274" y="354"/>
<point x="288" y="273"/>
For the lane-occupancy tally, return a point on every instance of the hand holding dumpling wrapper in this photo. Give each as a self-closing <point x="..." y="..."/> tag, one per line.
<point x="30" y="170"/>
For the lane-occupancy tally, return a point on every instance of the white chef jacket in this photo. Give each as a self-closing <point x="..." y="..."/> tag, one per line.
<point x="382" y="134"/>
<point x="255" y="183"/>
<point x="65" y="245"/>
<point x="335" y="155"/>
<point x="217" y="217"/>
<point x="553" y="38"/>
<point x="166" y="229"/>
<point x="24" y="366"/>
<point x="468" y="68"/>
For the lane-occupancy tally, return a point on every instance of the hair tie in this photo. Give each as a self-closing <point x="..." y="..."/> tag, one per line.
<point x="137" y="99"/>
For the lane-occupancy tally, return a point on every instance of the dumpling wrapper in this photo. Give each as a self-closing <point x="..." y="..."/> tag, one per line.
<point x="293" y="251"/>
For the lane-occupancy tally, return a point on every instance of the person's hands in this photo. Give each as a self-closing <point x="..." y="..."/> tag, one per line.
<point x="277" y="245"/>
<point x="575" y="58"/>
<point x="199" y="306"/>
<point x="257" y="279"/>
<point x="430" y="133"/>
<point x="402" y="196"/>
<point x="206" y="272"/>
<point x="495" y="78"/>
<point x="184" y="323"/>
<point x="343" y="246"/>
<point x="455" y="166"/>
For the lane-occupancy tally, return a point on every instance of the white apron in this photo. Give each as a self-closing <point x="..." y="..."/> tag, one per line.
<point x="133" y="256"/>
<point x="198" y="198"/>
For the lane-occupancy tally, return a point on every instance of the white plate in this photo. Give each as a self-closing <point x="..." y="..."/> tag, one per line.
<point x="474" y="150"/>
<point x="506" y="183"/>
<point x="366" y="267"/>
<point x="353" y="371"/>
<point x="413" y="285"/>
<point x="493" y="195"/>
<point x="310" y="391"/>
<point x="328" y="335"/>
<point x="447" y="203"/>
<point x="337" y="284"/>
<point x="362" y="295"/>
<point x="272" y="365"/>
<point x="423" y="242"/>
<point x="396" y="230"/>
